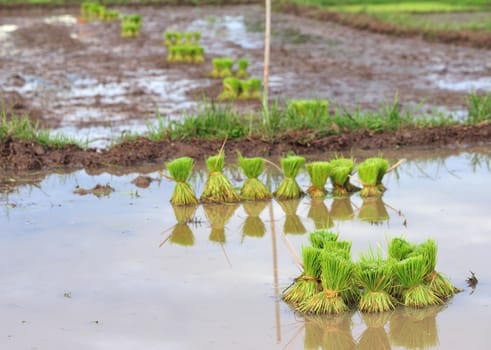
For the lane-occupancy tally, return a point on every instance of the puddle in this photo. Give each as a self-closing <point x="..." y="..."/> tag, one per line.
<point x="469" y="85"/>
<point x="61" y="19"/>
<point x="127" y="270"/>
<point x="6" y="29"/>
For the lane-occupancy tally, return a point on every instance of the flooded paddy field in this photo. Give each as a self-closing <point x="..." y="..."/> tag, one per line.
<point x="85" y="80"/>
<point x="126" y="270"/>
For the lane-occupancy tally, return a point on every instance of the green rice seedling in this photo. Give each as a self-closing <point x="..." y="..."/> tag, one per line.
<point x="400" y="249"/>
<point x="374" y="336"/>
<point x="301" y="108"/>
<point x="218" y="216"/>
<point x="179" y="52"/>
<point x="231" y="89"/>
<point x="319" y="238"/>
<point x="218" y="188"/>
<point x="178" y="38"/>
<point x="171" y="56"/>
<point x="181" y="232"/>
<point x="180" y="169"/>
<point x="253" y="225"/>
<point x="341" y="170"/>
<point x="255" y="85"/>
<point x="371" y="172"/>
<point x="318" y="173"/>
<point x="292" y="225"/>
<point x="111" y="15"/>
<point x="245" y="90"/>
<point x="253" y="189"/>
<point x="168" y="39"/>
<point x="410" y="274"/>
<point x="217" y="66"/>
<point x="329" y="332"/>
<point x="85" y="10"/>
<point x="341" y="209"/>
<point x="188" y="36"/>
<point x="242" y="65"/>
<point x="307" y="284"/>
<point x="199" y="55"/>
<point x="289" y="188"/>
<point x="336" y="274"/>
<point x="373" y="211"/>
<point x="375" y="276"/>
<point x="319" y="213"/>
<point x="188" y="52"/>
<point x="227" y="65"/>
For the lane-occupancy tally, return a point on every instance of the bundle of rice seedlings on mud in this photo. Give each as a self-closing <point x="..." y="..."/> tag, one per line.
<point x="246" y="90"/>
<point x="375" y="276"/>
<point x="371" y="172"/>
<point x="110" y="15"/>
<point x="373" y="211"/>
<point x="307" y="284"/>
<point x="199" y="54"/>
<point x="438" y="283"/>
<point x="255" y="88"/>
<point x="217" y="188"/>
<point x="289" y="188"/>
<point x="217" y="67"/>
<point x="231" y="89"/>
<point x="226" y="67"/>
<point x="218" y="215"/>
<point x="181" y="232"/>
<point x="336" y="273"/>
<point x="169" y="38"/>
<point x="318" y="173"/>
<point x="180" y="169"/>
<point x="319" y="213"/>
<point x="341" y="170"/>
<point x="341" y="209"/>
<point x="242" y="65"/>
<point x="293" y="224"/>
<point x="188" y="52"/>
<point x="415" y="328"/>
<point x="171" y="54"/>
<point x="320" y="238"/>
<point x="329" y="332"/>
<point x="410" y="275"/>
<point x="253" y="189"/>
<point x="253" y="225"/>
<point x="374" y="336"/>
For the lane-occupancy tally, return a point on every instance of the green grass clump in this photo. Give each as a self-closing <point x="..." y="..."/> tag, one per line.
<point x="371" y="172"/>
<point x="478" y="109"/>
<point x="341" y="170"/>
<point x="303" y="108"/>
<point x="318" y="173"/>
<point x="218" y="188"/>
<point x="289" y="188"/>
<point x="253" y="189"/>
<point x="180" y="169"/>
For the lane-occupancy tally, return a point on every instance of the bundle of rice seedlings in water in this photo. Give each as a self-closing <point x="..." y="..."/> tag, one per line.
<point x="226" y="67"/>
<point x="187" y="53"/>
<point x="293" y="225"/>
<point x="374" y="336"/>
<point x="438" y="284"/>
<point x="319" y="213"/>
<point x="182" y="233"/>
<point x="199" y="55"/>
<point x="179" y="53"/>
<point x="371" y="172"/>
<point x="341" y="170"/>
<point x="218" y="216"/>
<point x="85" y="10"/>
<point x="337" y="271"/>
<point x="307" y="284"/>
<point x="111" y="15"/>
<point x="289" y="188"/>
<point x="253" y="225"/>
<point x="180" y="169"/>
<point x="218" y="188"/>
<point x="231" y="89"/>
<point x="216" y="62"/>
<point x="242" y="65"/>
<point x="245" y="89"/>
<point x="341" y="209"/>
<point x="130" y="25"/>
<point x="318" y="173"/>
<point x="400" y="249"/>
<point x="168" y="39"/>
<point x="410" y="274"/>
<point x="415" y="328"/>
<point x="373" y="211"/>
<point x="329" y="332"/>
<point x="253" y="189"/>
<point x="195" y="37"/>
<point x="255" y="89"/>
<point x="320" y="238"/>
<point x="188" y="36"/>
<point x="375" y="276"/>
<point x="177" y="38"/>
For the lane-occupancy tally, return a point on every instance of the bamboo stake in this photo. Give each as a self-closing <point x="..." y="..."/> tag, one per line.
<point x="267" y="39"/>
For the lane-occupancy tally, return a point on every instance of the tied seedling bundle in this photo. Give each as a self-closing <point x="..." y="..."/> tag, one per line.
<point x="242" y="65"/>
<point x="222" y="67"/>
<point x="130" y="26"/>
<point x="318" y="173"/>
<point x="218" y="188"/>
<point x="371" y="172"/>
<point x="319" y="213"/>
<point x="321" y="238"/>
<point x="253" y="189"/>
<point x="172" y="39"/>
<point x="186" y="54"/>
<point x="181" y="232"/>
<point x="92" y="11"/>
<point x="293" y="225"/>
<point x="289" y="188"/>
<point x="231" y="89"/>
<point x="253" y="225"/>
<point x="341" y="170"/>
<point x="180" y="169"/>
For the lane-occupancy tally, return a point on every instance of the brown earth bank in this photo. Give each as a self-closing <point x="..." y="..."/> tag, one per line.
<point x="24" y="155"/>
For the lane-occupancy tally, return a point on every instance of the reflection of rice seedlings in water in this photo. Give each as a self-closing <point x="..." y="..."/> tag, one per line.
<point x="218" y="215"/>
<point x="293" y="224"/>
<point x="329" y="332"/>
<point x="373" y="211"/>
<point x="319" y="213"/>
<point x="318" y="173"/>
<point x="181" y="233"/>
<point x="415" y="328"/>
<point x="253" y="225"/>
<point x="374" y="336"/>
<point x="341" y="209"/>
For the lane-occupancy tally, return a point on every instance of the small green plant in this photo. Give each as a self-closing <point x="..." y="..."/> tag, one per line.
<point x="289" y="188"/>
<point x="302" y="108"/>
<point x="478" y="108"/>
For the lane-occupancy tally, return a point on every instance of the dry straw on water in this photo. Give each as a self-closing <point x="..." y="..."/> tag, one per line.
<point x="293" y="224"/>
<point x="253" y="189"/>
<point x="253" y="225"/>
<point x="319" y="213"/>
<point x="371" y="172"/>
<point x="289" y="188"/>
<point x="182" y="233"/>
<point x="180" y="169"/>
<point x="318" y="172"/>
<point x="341" y="170"/>
<point x="218" y="188"/>
<point x="218" y="215"/>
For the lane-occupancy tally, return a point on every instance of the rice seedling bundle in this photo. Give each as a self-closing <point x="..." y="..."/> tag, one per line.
<point x="293" y="224"/>
<point x="169" y="39"/>
<point x="242" y="65"/>
<point x="253" y="225"/>
<point x="218" y="215"/>
<point x="180" y="169"/>
<point x="130" y="25"/>
<point x="217" y="188"/>
<point x="319" y="238"/>
<point x="374" y="336"/>
<point x="289" y="188"/>
<point x="318" y="173"/>
<point x="336" y="274"/>
<point x="231" y="89"/>
<point x="371" y="172"/>
<point x="253" y="189"/>
<point x="110" y="15"/>
<point x="319" y="213"/>
<point x="307" y="284"/>
<point x="341" y="209"/>
<point x="341" y="170"/>
<point x="255" y="88"/>
<point x="226" y="65"/>
<point x="181" y="232"/>
<point x="199" y="55"/>
<point x="400" y="249"/>
<point x="373" y="211"/>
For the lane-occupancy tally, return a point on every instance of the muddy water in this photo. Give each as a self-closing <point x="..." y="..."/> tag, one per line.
<point x="117" y="272"/>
